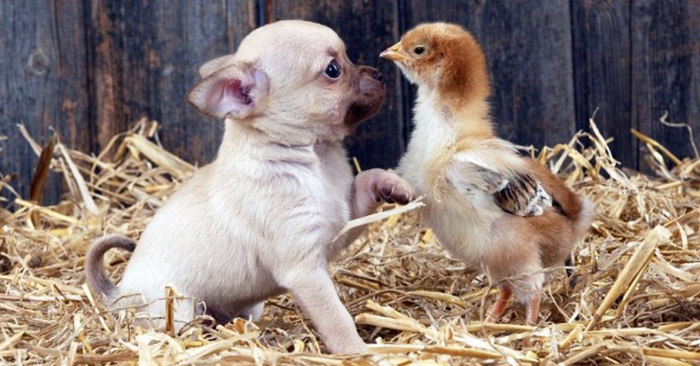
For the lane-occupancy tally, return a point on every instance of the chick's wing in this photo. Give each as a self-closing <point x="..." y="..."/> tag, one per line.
<point x="501" y="174"/>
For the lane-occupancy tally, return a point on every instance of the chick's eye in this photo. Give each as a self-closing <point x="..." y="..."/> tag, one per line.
<point x="418" y="50"/>
<point x="333" y="70"/>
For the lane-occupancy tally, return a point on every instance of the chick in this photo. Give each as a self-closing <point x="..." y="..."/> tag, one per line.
<point x="487" y="204"/>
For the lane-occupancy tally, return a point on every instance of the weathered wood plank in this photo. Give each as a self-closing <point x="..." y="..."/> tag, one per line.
<point x="90" y="68"/>
<point x="145" y="60"/>
<point x="528" y="48"/>
<point x="602" y="69"/>
<point x="666" y="71"/>
<point x="43" y="83"/>
<point x="367" y="29"/>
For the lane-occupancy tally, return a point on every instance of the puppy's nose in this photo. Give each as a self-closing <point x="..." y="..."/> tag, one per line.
<point x="371" y="72"/>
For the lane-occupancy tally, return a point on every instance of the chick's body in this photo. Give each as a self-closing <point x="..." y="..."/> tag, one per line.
<point x="492" y="208"/>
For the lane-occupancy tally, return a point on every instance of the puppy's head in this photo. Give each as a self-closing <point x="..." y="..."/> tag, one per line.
<point x="290" y="79"/>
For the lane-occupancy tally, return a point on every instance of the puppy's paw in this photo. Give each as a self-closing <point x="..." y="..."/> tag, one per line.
<point x="375" y="186"/>
<point x="391" y="188"/>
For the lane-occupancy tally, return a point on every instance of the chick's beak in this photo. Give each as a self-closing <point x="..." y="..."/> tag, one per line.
<point x="394" y="53"/>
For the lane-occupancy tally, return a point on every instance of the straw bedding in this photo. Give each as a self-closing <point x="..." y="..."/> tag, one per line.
<point x="636" y="300"/>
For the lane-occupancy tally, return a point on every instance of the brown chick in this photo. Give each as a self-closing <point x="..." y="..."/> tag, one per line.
<point x="488" y="205"/>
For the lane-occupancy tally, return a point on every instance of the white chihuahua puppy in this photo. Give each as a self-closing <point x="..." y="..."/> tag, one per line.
<point x="259" y="220"/>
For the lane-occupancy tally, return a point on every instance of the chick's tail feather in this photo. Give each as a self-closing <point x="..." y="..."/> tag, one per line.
<point x="94" y="265"/>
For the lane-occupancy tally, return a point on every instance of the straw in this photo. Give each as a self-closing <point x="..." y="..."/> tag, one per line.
<point x="637" y="300"/>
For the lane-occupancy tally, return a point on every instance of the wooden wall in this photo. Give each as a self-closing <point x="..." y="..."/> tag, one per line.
<point x="90" y="68"/>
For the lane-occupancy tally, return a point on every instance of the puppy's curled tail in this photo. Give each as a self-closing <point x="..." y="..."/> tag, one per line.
<point x="94" y="265"/>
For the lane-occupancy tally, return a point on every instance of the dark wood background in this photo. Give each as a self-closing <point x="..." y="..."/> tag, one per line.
<point x="90" y="68"/>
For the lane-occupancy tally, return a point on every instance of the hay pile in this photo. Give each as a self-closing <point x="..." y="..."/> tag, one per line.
<point x="636" y="300"/>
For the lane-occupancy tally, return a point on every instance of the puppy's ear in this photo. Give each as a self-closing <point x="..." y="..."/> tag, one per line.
<point x="214" y="65"/>
<point x="236" y="91"/>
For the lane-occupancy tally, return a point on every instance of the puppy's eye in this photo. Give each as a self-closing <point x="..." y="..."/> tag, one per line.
<point x="418" y="50"/>
<point x="333" y="70"/>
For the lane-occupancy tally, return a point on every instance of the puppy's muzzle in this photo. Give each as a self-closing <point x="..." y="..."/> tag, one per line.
<point x="369" y="98"/>
<point x="371" y="82"/>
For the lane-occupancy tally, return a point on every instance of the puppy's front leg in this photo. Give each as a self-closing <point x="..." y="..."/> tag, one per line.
<point x="371" y="188"/>
<point x="314" y="292"/>
<point x="374" y="186"/>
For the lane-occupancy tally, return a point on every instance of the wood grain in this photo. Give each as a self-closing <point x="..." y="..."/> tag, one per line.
<point x="666" y="71"/>
<point x="145" y="59"/>
<point x="43" y="83"/>
<point x="90" y="68"/>
<point x="602" y="72"/>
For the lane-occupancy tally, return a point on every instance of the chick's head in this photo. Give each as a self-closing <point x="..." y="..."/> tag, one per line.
<point x="444" y="58"/>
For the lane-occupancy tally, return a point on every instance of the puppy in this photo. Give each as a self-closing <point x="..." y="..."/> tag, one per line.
<point x="259" y="220"/>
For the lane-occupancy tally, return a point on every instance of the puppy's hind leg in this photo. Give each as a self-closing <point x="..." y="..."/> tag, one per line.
<point x="253" y="312"/>
<point x="163" y="317"/>
<point x="223" y="317"/>
<point x="315" y="294"/>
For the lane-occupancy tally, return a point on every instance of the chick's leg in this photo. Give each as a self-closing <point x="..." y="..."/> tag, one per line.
<point x="532" y="314"/>
<point x="500" y="305"/>
<point x="533" y="309"/>
<point x="530" y="295"/>
<point x="527" y="288"/>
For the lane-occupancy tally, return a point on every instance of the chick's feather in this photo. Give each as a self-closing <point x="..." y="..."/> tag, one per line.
<point x="494" y="169"/>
